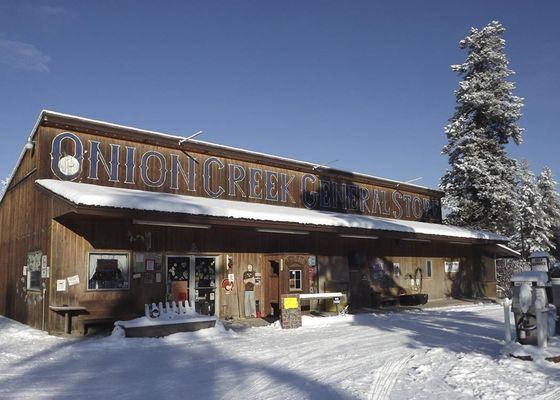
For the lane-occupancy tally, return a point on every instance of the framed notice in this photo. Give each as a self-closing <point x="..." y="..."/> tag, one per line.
<point x="148" y="262"/>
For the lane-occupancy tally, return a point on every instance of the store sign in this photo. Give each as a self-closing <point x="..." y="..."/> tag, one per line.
<point x="216" y="177"/>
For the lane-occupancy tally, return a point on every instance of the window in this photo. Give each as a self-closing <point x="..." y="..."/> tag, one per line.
<point x="427" y="269"/>
<point x="295" y="279"/>
<point x="34" y="270"/>
<point x="108" y="271"/>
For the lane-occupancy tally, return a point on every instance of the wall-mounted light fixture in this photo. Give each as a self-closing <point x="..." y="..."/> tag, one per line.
<point x="344" y="235"/>
<point x="171" y="224"/>
<point x="416" y="240"/>
<point x="282" y="231"/>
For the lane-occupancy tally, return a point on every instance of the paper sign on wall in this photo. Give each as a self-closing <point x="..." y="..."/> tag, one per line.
<point x="44" y="271"/>
<point x="44" y="261"/>
<point x="73" y="280"/>
<point x="231" y="277"/>
<point x="291" y="303"/>
<point x="24" y="270"/>
<point x="451" y="266"/>
<point x="61" y="285"/>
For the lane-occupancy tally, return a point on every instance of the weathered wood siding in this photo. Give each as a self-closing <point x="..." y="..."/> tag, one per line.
<point x="24" y="227"/>
<point x="73" y="237"/>
<point x="378" y="198"/>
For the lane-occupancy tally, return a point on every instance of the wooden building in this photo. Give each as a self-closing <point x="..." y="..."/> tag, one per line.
<point x="106" y="218"/>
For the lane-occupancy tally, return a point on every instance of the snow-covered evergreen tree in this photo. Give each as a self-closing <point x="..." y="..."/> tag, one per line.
<point x="550" y="205"/>
<point x="533" y="228"/>
<point x="3" y="185"/>
<point x="480" y="184"/>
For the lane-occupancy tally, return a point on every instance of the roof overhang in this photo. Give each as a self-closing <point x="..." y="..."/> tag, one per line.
<point x="87" y="199"/>
<point x="500" y="250"/>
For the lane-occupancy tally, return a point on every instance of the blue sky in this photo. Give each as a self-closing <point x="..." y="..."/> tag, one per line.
<point x="365" y="82"/>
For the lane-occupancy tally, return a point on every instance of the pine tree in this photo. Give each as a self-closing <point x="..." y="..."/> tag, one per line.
<point x="551" y="205"/>
<point x="533" y="228"/>
<point x="4" y="185"/>
<point x="480" y="184"/>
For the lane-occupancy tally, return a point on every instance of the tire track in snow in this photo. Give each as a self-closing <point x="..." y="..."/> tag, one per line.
<point x="554" y="395"/>
<point x="386" y="377"/>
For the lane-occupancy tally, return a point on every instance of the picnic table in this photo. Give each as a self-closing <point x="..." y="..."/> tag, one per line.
<point x="68" y="312"/>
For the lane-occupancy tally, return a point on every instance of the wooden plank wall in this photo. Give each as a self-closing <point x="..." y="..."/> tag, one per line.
<point x="24" y="227"/>
<point x="74" y="237"/>
<point x="46" y="134"/>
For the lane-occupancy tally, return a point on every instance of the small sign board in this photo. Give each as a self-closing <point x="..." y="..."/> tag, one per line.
<point x="539" y="264"/>
<point x="290" y="311"/>
<point x="291" y="303"/>
<point x="451" y="266"/>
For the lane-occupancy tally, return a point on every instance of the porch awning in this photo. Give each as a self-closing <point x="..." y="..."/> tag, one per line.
<point x="87" y="195"/>
<point x="502" y="251"/>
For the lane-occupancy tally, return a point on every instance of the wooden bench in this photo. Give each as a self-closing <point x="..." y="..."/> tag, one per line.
<point x="323" y="296"/>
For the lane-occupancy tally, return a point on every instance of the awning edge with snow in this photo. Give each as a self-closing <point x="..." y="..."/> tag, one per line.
<point x="84" y="194"/>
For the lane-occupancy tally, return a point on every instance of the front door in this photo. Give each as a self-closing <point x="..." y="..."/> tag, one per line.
<point x="205" y="285"/>
<point x="193" y="278"/>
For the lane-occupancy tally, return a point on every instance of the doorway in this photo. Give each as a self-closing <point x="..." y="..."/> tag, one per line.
<point x="274" y="286"/>
<point x="193" y="278"/>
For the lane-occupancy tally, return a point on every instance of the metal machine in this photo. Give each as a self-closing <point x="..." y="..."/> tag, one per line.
<point x="530" y="301"/>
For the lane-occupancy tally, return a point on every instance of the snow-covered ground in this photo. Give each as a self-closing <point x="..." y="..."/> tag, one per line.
<point x="446" y="353"/>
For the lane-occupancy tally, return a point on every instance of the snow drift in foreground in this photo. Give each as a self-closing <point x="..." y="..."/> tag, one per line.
<point x="453" y="353"/>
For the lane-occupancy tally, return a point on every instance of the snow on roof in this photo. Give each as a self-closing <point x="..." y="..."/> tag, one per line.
<point x="509" y="250"/>
<point x="84" y="194"/>
<point x="540" y="254"/>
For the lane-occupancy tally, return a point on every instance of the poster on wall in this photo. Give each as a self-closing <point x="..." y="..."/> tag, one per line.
<point x="451" y="266"/>
<point x="61" y="285"/>
<point x="139" y="262"/>
<point x="73" y="280"/>
<point x="396" y="270"/>
<point x="148" y="262"/>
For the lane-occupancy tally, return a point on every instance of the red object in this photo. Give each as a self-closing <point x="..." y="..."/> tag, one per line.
<point x="259" y="315"/>
<point x="182" y="296"/>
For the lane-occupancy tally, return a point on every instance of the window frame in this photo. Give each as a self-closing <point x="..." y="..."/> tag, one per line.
<point x="29" y="272"/>
<point x="295" y="271"/>
<point x="109" y="252"/>
<point x="431" y="263"/>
